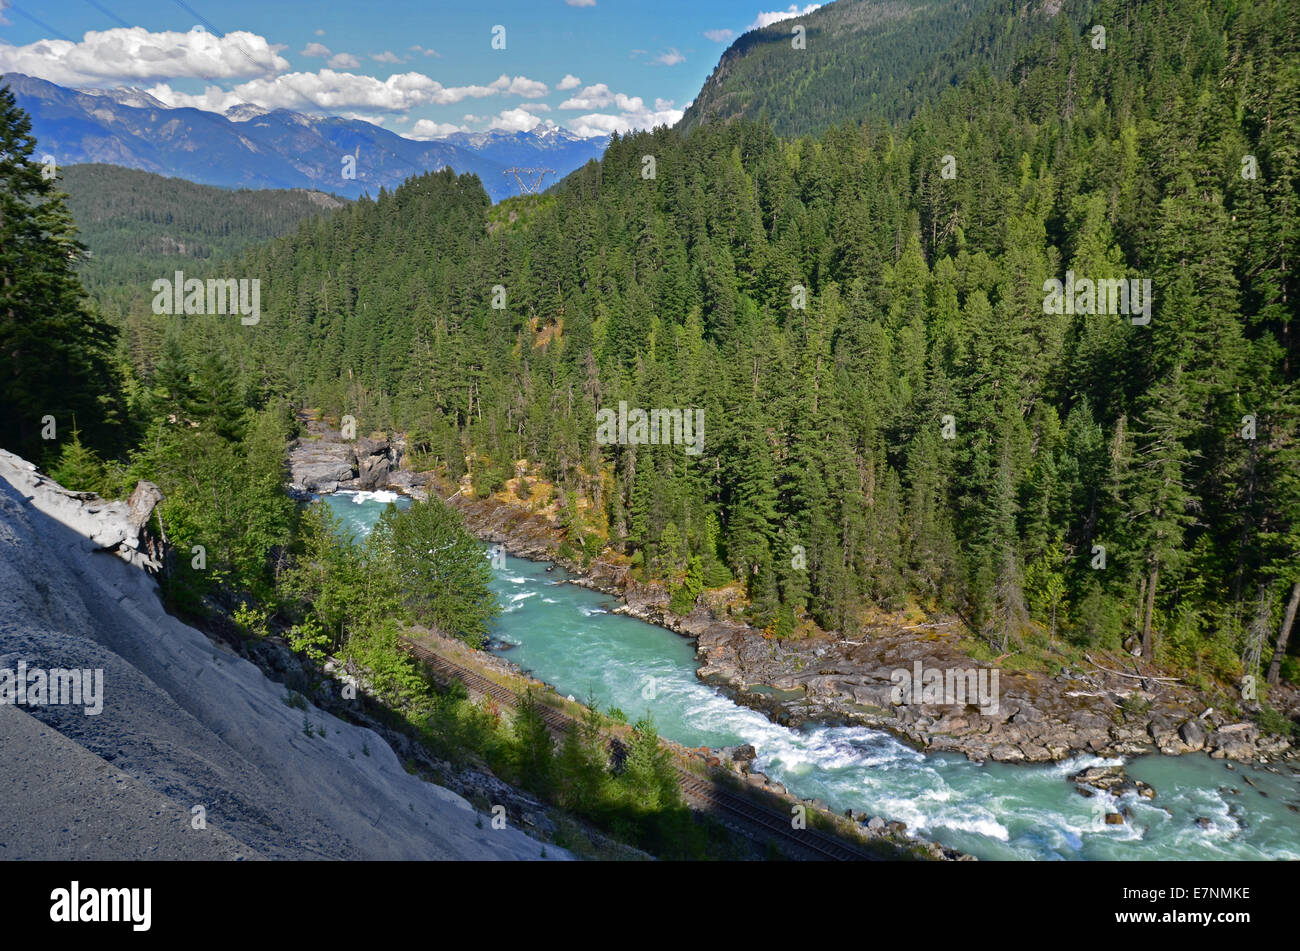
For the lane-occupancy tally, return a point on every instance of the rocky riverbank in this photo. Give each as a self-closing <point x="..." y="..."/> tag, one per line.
<point x="826" y="678"/>
<point x="1099" y="707"/>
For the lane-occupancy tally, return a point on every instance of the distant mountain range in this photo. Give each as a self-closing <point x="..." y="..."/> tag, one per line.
<point x="250" y="147"/>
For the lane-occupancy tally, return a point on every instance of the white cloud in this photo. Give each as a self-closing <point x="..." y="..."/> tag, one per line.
<point x="515" y="120"/>
<point x="344" y="61"/>
<point x="719" y="36"/>
<point x="426" y="129"/>
<point x="417" y="48"/>
<point x="213" y="98"/>
<point x="329" y="90"/>
<point x="603" y="123"/>
<point x="320" y="32"/>
<point x="776" y="16"/>
<point x="599" y="96"/>
<point x="663" y="105"/>
<point x="669" y="58"/>
<point x="569" y="81"/>
<point x="581" y="3"/>
<point x="534" y="107"/>
<point x="387" y="56"/>
<point x="520" y="86"/>
<point x="315" y="49"/>
<point x="134" y="53"/>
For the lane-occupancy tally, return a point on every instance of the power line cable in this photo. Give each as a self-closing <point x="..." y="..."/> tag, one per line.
<point x="43" y="25"/>
<point x="198" y="16"/>
<point x="108" y="13"/>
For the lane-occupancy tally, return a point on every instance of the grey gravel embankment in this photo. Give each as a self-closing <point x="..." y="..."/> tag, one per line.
<point x="184" y="721"/>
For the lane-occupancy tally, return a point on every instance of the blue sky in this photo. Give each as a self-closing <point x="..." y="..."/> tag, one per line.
<point x="419" y="68"/>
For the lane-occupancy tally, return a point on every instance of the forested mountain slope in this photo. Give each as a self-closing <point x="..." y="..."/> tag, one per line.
<point x="137" y="225"/>
<point x="866" y="59"/>
<point x="927" y="429"/>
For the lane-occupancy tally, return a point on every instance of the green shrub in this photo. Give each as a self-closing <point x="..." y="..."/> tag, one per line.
<point x="1275" y="722"/>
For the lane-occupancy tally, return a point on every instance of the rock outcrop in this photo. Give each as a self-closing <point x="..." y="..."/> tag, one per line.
<point x="320" y="466"/>
<point x="323" y="462"/>
<point x="185" y="723"/>
<point x="117" y="527"/>
<point x="375" y="460"/>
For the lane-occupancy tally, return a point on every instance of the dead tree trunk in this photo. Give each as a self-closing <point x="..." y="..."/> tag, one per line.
<point x="1275" y="667"/>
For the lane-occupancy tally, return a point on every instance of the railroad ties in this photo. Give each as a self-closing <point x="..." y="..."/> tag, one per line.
<point x="729" y="807"/>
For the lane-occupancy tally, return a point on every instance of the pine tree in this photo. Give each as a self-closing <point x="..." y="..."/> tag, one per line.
<point x="56" y="353"/>
<point x="534" y="746"/>
<point x="1156" y="492"/>
<point x="78" y="468"/>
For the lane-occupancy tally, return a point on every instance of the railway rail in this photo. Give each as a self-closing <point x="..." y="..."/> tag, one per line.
<point x="723" y="804"/>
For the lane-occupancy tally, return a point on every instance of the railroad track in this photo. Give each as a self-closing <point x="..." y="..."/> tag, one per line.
<point x="705" y="796"/>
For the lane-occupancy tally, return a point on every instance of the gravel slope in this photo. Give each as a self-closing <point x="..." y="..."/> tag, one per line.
<point x="185" y="721"/>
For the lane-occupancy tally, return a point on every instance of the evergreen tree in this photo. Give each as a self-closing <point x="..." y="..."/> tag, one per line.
<point x="56" y="352"/>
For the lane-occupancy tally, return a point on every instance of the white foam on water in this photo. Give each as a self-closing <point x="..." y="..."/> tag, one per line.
<point x="380" y="496"/>
<point x="986" y="826"/>
<point x="1076" y="764"/>
<point x="992" y="809"/>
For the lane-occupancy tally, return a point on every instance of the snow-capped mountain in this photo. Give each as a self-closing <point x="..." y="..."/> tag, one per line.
<point x="244" y="111"/>
<point x="251" y="147"/>
<point x="127" y="96"/>
<point x="547" y="145"/>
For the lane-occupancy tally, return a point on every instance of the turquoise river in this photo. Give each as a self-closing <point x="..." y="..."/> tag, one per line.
<point x="567" y="636"/>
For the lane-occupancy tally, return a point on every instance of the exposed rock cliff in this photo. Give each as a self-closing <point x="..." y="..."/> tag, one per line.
<point x="184" y="723"/>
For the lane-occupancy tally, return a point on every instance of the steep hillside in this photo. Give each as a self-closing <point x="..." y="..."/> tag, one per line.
<point x="184" y="722"/>
<point x="863" y="58"/>
<point x="138" y="226"/>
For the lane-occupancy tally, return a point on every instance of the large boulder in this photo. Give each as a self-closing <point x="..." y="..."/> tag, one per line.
<point x="118" y="527"/>
<point x="1193" y="734"/>
<point x="320" y="466"/>
<point x="376" y="460"/>
<point x="406" y="480"/>
<point x="1110" y="779"/>
<point x="1235" y="741"/>
<point x="373" y="471"/>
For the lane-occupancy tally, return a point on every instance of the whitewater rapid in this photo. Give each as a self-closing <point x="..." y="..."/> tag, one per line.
<point x="568" y="636"/>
